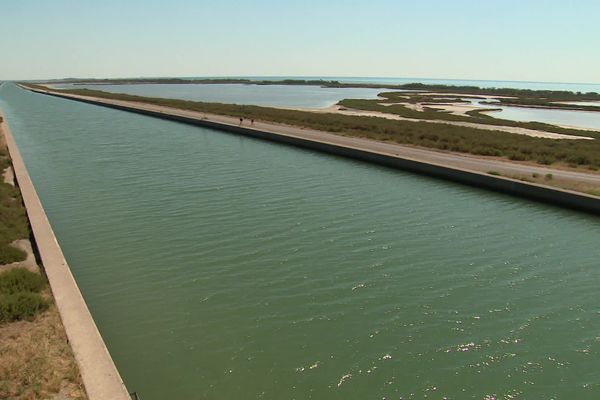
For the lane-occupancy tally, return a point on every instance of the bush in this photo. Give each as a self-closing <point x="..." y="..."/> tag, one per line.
<point x="22" y="305"/>
<point x="19" y="295"/>
<point x="13" y="222"/>
<point x="517" y="157"/>
<point x="545" y="160"/>
<point x="20" y="280"/>
<point x="9" y="254"/>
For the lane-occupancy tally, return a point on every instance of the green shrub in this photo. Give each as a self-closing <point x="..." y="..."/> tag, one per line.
<point x="20" y="280"/>
<point x="517" y="157"/>
<point x="579" y="160"/>
<point x="10" y="254"/>
<point x="434" y="114"/>
<point x="13" y="222"/>
<point x="546" y="160"/>
<point x="22" y="305"/>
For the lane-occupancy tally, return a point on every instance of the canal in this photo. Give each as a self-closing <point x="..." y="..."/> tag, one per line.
<point x="224" y="267"/>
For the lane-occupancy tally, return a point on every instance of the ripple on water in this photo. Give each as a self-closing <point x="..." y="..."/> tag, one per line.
<point x="224" y="267"/>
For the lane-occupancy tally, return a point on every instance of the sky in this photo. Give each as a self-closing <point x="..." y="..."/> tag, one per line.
<point x="527" y="40"/>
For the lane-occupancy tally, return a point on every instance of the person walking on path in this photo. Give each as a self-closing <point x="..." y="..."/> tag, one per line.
<point x="241" y="120"/>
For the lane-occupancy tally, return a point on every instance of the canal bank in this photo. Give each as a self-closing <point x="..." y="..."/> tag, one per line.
<point x="220" y="266"/>
<point x="99" y="374"/>
<point x="440" y="165"/>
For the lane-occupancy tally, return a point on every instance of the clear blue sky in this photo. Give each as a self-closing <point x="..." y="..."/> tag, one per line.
<point x="540" y="40"/>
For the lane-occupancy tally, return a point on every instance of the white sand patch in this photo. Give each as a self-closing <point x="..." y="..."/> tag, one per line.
<point x="412" y="106"/>
<point x="456" y="108"/>
<point x="510" y="129"/>
<point x="580" y="103"/>
<point x="8" y="176"/>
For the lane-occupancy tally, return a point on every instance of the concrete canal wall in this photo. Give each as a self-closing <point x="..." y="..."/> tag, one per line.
<point x="100" y="376"/>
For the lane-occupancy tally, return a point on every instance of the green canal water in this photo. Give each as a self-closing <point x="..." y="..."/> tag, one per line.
<point x="223" y="267"/>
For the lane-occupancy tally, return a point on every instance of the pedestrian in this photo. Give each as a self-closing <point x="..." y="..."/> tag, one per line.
<point x="252" y="121"/>
<point x="241" y="120"/>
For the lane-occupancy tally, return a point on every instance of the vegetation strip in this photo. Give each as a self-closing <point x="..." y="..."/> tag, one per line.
<point x="460" y="139"/>
<point x="20" y="295"/>
<point x="13" y="220"/>
<point x="516" y="97"/>
<point x="100" y="376"/>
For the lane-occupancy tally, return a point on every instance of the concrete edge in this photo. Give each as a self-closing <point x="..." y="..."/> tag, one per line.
<point x="546" y="194"/>
<point x="100" y="376"/>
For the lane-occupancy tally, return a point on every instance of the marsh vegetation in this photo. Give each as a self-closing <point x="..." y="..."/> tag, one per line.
<point x="392" y="104"/>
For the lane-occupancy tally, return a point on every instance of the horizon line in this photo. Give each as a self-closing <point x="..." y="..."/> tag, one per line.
<point x="299" y="77"/>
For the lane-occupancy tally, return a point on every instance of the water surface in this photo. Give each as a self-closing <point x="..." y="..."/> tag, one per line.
<point x="286" y="96"/>
<point x="578" y="119"/>
<point x="568" y="118"/>
<point x="223" y="267"/>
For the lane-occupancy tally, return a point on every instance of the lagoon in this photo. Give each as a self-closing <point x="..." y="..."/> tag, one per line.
<point x="296" y="96"/>
<point x="577" y="119"/>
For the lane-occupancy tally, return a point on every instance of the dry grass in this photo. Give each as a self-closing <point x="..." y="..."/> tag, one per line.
<point x="36" y="361"/>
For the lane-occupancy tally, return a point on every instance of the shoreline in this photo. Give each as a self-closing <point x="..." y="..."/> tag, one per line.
<point x="450" y="166"/>
<point x="100" y="376"/>
<point x="509" y="129"/>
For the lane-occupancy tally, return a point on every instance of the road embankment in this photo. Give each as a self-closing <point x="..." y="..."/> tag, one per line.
<point x="440" y="165"/>
<point x="99" y="374"/>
